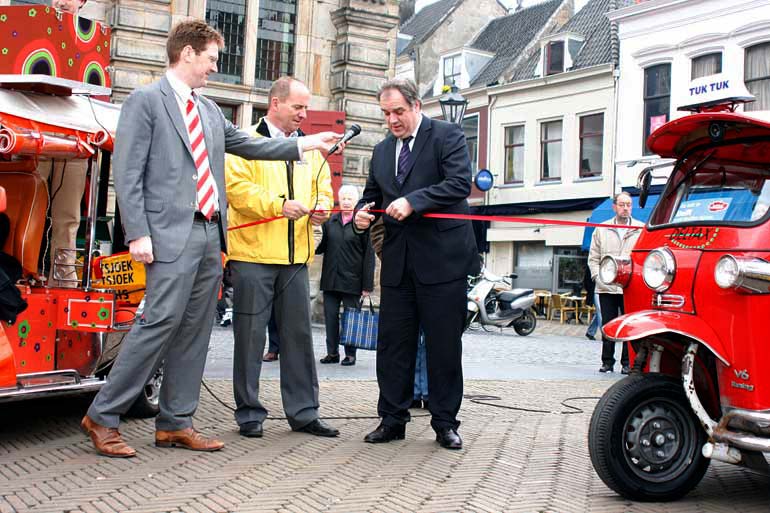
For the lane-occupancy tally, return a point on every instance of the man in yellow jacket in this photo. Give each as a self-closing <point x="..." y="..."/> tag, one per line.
<point x="269" y="265"/>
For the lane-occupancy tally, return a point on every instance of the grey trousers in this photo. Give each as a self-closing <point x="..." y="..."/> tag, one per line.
<point x="179" y="311"/>
<point x="255" y="287"/>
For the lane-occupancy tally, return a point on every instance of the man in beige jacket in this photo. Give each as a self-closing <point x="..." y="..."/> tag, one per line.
<point x="616" y="241"/>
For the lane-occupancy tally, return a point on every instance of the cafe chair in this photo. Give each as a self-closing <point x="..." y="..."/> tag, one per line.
<point x="558" y="305"/>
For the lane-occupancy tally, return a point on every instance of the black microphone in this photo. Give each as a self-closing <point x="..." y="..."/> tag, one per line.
<point x="350" y="133"/>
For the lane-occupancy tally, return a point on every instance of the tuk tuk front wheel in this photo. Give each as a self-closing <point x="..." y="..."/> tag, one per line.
<point x="644" y="440"/>
<point x="146" y="405"/>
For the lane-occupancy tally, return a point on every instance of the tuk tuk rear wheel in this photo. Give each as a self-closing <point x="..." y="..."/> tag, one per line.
<point x="146" y="405"/>
<point x="644" y="440"/>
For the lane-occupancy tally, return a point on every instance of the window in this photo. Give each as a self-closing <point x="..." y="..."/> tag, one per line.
<point x="30" y="2"/>
<point x="256" y="113"/>
<point x="452" y="70"/>
<point x="706" y="65"/>
<point x="229" y="17"/>
<point x="550" y="155"/>
<point x="591" y="144"/>
<point x="554" y="58"/>
<point x="470" y="128"/>
<point x="514" y="154"/>
<point x="230" y="112"/>
<point x="757" y="76"/>
<point x="275" y="41"/>
<point x="657" y="99"/>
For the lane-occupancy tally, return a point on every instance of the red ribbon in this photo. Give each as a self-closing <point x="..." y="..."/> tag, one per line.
<point x="469" y="217"/>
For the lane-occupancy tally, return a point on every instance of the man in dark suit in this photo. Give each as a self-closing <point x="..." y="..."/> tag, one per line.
<point x="422" y="166"/>
<point x="169" y="180"/>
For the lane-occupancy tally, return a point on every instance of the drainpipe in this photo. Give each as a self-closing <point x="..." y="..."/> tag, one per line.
<point x="615" y="57"/>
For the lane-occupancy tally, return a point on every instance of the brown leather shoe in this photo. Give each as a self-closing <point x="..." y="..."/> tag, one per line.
<point x="107" y="441"/>
<point x="270" y="357"/>
<point x="188" y="439"/>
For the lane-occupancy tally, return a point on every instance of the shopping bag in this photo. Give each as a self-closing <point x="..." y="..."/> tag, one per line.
<point x="359" y="327"/>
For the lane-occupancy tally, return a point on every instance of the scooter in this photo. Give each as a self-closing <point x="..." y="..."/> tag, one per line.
<point x="492" y="301"/>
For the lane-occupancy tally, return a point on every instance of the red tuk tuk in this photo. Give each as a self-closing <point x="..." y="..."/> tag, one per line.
<point x="68" y="336"/>
<point x="696" y="292"/>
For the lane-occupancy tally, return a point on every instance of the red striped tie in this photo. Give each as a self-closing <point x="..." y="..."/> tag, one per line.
<point x="207" y="187"/>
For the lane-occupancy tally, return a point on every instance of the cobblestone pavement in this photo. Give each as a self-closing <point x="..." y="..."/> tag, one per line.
<point x="513" y="461"/>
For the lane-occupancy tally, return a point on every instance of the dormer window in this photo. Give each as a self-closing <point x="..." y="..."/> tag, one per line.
<point x="554" y="58"/>
<point x="452" y="70"/>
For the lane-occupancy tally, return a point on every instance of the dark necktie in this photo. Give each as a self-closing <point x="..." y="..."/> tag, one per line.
<point x="403" y="160"/>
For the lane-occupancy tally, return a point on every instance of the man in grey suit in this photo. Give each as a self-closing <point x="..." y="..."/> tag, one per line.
<point x="169" y="179"/>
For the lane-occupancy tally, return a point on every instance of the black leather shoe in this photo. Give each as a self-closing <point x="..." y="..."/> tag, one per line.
<point x="348" y="360"/>
<point x="330" y="358"/>
<point x="625" y="370"/>
<point x="385" y="434"/>
<point x="319" y="428"/>
<point x="448" y="438"/>
<point x="590" y="337"/>
<point x="251" y="429"/>
<point x="605" y="368"/>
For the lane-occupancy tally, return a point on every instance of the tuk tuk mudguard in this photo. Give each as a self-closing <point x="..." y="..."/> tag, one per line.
<point x="647" y="323"/>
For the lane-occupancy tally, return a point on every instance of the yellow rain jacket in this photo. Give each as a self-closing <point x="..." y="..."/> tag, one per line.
<point x="256" y="190"/>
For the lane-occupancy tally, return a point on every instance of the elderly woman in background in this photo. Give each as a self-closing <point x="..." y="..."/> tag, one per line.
<point x="347" y="272"/>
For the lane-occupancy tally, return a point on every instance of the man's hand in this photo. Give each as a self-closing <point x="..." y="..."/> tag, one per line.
<point x="322" y="141"/>
<point x="400" y="209"/>
<point x="141" y="250"/>
<point x="319" y="218"/>
<point x="363" y="218"/>
<point x="293" y="209"/>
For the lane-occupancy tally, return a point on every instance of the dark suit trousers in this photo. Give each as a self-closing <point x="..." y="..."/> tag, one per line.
<point x="612" y="306"/>
<point x="440" y="310"/>
<point x="332" y="301"/>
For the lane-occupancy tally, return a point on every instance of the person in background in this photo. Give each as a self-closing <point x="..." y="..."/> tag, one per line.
<point x="618" y="241"/>
<point x="66" y="182"/>
<point x="273" y="339"/>
<point x="347" y="274"/>
<point x="592" y="298"/>
<point x="269" y="263"/>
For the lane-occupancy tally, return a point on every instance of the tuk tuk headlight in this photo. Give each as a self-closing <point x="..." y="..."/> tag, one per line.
<point x="745" y="274"/>
<point x="659" y="269"/>
<point x="615" y="270"/>
<point x="727" y="272"/>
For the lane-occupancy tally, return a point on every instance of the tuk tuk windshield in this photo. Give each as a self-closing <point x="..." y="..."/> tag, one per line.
<point x="724" y="185"/>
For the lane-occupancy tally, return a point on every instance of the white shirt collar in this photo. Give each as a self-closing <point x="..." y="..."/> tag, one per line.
<point x="181" y="89"/>
<point x="275" y="132"/>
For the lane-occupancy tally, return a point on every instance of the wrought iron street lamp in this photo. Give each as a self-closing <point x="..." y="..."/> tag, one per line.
<point x="453" y="105"/>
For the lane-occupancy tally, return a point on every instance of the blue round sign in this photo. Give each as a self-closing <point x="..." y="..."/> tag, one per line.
<point x="484" y="180"/>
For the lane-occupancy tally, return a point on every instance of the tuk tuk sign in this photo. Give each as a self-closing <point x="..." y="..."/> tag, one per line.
<point x="713" y="90"/>
<point x="125" y="276"/>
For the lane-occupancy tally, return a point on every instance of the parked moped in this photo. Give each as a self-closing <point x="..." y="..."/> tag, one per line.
<point x="492" y="301"/>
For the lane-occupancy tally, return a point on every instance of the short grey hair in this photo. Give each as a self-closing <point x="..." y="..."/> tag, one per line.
<point x="618" y="195"/>
<point x="405" y="86"/>
<point x="349" y="189"/>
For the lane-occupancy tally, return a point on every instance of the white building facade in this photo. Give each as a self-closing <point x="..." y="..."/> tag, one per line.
<point x="666" y="43"/>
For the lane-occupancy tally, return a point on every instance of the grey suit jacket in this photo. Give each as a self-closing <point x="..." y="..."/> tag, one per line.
<point x="154" y="172"/>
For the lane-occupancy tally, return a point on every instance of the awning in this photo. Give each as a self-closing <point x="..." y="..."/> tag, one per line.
<point x="604" y="211"/>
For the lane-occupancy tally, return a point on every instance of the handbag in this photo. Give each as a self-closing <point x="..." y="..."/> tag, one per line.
<point x="359" y="327"/>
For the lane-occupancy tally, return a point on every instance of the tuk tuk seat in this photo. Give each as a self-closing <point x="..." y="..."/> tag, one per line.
<point x="27" y="204"/>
